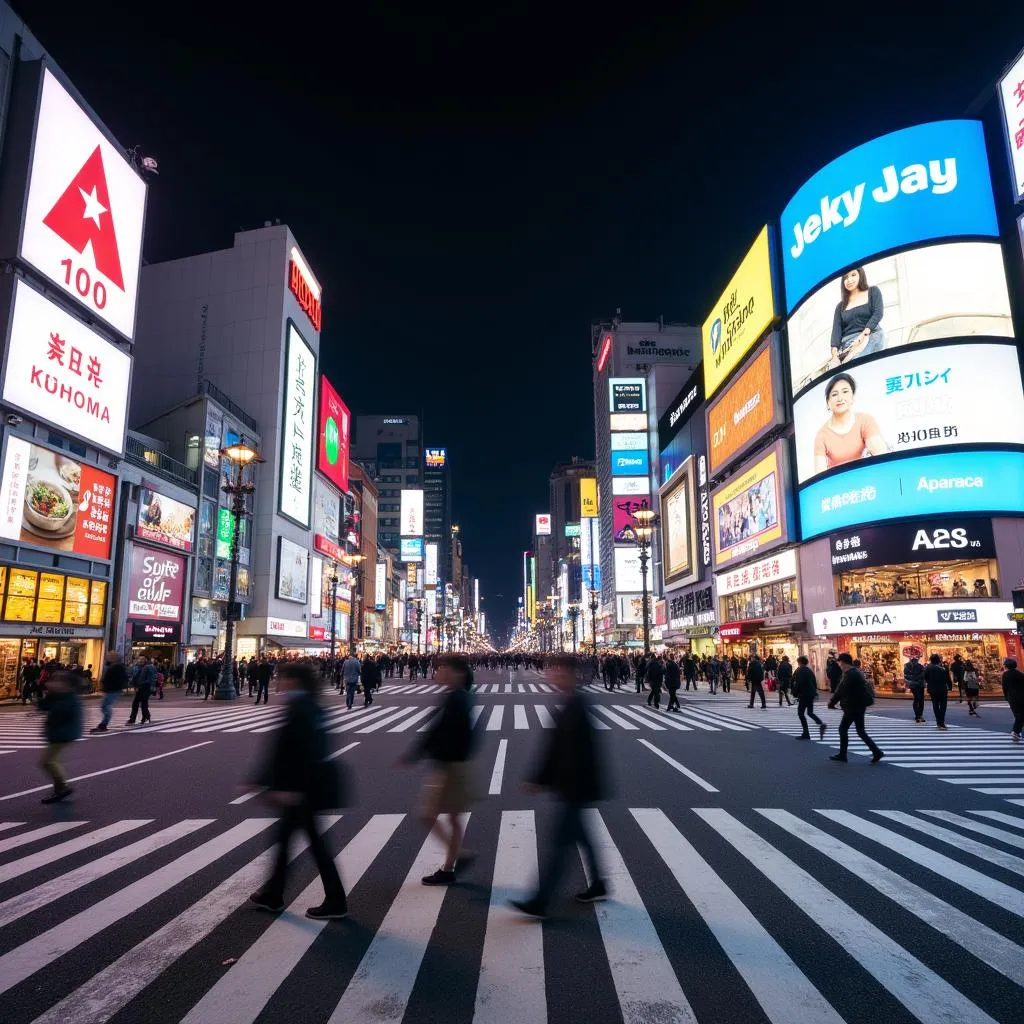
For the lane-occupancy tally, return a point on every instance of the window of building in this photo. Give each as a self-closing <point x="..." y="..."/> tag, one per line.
<point x="765" y="602"/>
<point x="925" y="581"/>
<point x="51" y="597"/>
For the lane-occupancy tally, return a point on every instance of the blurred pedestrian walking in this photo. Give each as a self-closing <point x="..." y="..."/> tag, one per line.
<point x="63" y="709"/>
<point x="112" y="683"/>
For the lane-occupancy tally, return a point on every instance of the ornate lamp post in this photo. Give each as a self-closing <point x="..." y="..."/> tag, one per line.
<point x="574" y="614"/>
<point x="594" y="595"/>
<point x="354" y="562"/>
<point x="438" y="627"/>
<point x="239" y="455"/>
<point x="646" y="521"/>
<point x="419" y="625"/>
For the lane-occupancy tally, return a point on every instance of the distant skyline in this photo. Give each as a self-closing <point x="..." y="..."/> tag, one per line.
<point x="473" y="188"/>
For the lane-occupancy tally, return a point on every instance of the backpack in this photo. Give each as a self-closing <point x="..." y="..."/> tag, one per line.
<point x="971" y="680"/>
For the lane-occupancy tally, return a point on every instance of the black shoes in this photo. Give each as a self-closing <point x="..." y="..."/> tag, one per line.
<point x="440" y="877"/>
<point x="877" y="756"/>
<point x="595" y="891"/>
<point x="98" y="728"/>
<point x="806" y="736"/>
<point x="328" y="911"/>
<point x="531" y="908"/>
<point x="57" y="795"/>
<point x="265" y="903"/>
<point x="838" y="757"/>
<point x="821" y="730"/>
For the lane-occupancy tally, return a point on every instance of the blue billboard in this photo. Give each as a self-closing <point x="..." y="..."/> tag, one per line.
<point x="923" y="183"/>
<point x="630" y="463"/>
<point x="591" y="576"/>
<point x="412" y="549"/>
<point x="924" y="485"/>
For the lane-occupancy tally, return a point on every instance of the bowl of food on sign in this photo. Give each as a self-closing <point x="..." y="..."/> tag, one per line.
<point x="70" y="474"/>
<point x="49" y="508"/>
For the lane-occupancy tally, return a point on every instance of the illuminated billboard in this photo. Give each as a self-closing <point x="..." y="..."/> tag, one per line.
<point x="588" y="498"/>
<point x="748" y="409"/>
<point x="749" y="512"/>
<point x="411" y="512"/>
<point x="923" y="485"/>
<point x="678" y="522"/>
<point x="627" y="395"/>
<point x="542" y="524"/>
<point x="164" y="520"/>
<point x="628" y="576"/>
<point x="950" y="290"/>
<point x="915" y="185"/>
<point x="297" y="429"/>
<point x="907" y="401"/>
<point x="623" y="521"/>
<point x="334" y="434"/>
<point x="629" y="463"/>
<point x="1011" y="93"/>
<point x="430" y="565"/>
<point x="743" y="312"/>
<point x="412" y="549"/>
<point x="292" y="571"/>
<point x="435" y="458"/>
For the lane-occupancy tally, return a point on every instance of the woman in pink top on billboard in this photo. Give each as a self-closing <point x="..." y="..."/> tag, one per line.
<point x="846" y="435"/>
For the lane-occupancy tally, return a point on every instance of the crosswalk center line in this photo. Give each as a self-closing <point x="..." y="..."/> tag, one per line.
<point x="1007" y="861"/>
<point x="952" y="871"/>
<point x="985" y="943"/>
<point x="386" y="720"/>
<point x="409" y="722"/>
<point x="783" y="991"/>
<point x="645" y="983"/>
<point x="608" y="713"/>
<point x="544" y="717"/>
<point x="49" y="892"/>
<point x="24" y="838"/>
<point x="380" y="988"/>
<point x="109" y="991"/>
<point x="33" y="861"/>
<point x="521" y="721"/>
<point x="494" y="721"/>
<point x="926" y="995"/>
<point x="511" y="978"/>
<point x="242" y="994"/>
<point x="30" y="957"/>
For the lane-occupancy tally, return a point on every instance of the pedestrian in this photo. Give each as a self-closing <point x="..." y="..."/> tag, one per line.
<point x="300" y="781"/>
<point x="263" y="671"/>
<point x="449" y="789"/>
<point x="689" y="671"/>
<point x="727" y="675"/>
<point x="957" y="669"/>
<point x="1013" y="691"/>
<point x="350" y="671"/>
<point x="369" y="676"/>
<point x="654" y="677"/>
<point x="805" y="689"/>
<point x="754" y="681"/>
<point x="672" y="679"/>
<point x="972" y="686"/>
<point x="145" y="680"/>
<point x="771" y="667"/>
<point x="784" y="676"/>
<point x="833" y="671"/>
<point x="63" y="709"/>
<point x="938" y="684"/>
<point x="913" y="676"/>
<point x="112" y="683"/>
<point x="854" y="695"/>
<point x="570" y="767"/>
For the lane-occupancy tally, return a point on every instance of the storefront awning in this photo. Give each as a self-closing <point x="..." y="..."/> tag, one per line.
<point x="745" y="627"/>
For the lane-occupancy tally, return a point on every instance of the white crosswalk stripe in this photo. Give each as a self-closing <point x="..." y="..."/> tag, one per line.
<point x="917" y="877"/>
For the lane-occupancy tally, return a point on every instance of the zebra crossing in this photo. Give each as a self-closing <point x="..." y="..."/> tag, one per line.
<point x="982" y="760"/>
<point x="123" y="917"/>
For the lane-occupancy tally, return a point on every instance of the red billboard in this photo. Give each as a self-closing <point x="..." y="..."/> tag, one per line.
<point x="334" y="431"/>
<point x="156" y="585"/>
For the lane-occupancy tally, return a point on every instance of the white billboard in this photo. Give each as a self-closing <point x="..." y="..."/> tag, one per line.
<point x="380" y="586"/>
<point x="84" y="212"/>
<point x="918" y="616"/>
<point x="542" y="524"/>
<point x="412" y="512"/>
<point x="316" y="586"/>
<point x="430" y="566"/>
<point x="60" y="371"/>
<point x="631" y="442"/>
<point x="628" y="578"/>
<point x="629" y="486"/>
<point x="297" y="428"/>
<point x="1011" y="92"/>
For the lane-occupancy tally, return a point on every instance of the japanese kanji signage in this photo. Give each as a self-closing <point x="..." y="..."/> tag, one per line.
<point x="60" y="371"/>
<point x="1011" y="92"/>
<point x="85" y="210"/>
<point x="907" y="401"/>
<point x="781" y="566"/>
<point x="297" y="428"/>
<point x="52" y="501"/>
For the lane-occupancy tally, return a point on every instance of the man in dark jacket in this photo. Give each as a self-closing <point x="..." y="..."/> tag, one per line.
<point x="63" y="709"/>
<point x="114" y="680"/>
<point x="1013" y="690"/>
<point x="913" y="676"/>
<point x="784" y="675"/>
<point x="263" y="671"/>
<point x="145" y="681"/>
<point x="369" y="676"/>
<point x="689" y="671"/>
<point x="672" y="678"/>
<point x="755" y="679"/>
<point x="938" y="684"/>
<point x="571" y="769"/>
<point x="833" y="671"/>
<point x="805" y="689"/>
<point x="294" y="773"/>
<point x="854" y="695"/>
<point x="654" y="677"/>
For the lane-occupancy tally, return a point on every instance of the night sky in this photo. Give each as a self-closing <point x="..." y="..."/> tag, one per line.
<point x="473" y="189"/>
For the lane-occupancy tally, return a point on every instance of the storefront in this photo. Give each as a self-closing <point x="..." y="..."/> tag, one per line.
<point x="157" y="640"/>
<point x="48" y="616"/>
<point x="885" y="638"/>
<point x="691" y="618"/>
<point x="155" y="600"/>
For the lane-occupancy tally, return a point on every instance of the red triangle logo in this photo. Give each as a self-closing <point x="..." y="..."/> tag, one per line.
<point x="82" y="215"/>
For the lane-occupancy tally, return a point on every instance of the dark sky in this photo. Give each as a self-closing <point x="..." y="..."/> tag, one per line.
<point x="473" y="189"/>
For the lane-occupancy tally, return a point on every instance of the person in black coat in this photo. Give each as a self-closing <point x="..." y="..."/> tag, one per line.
<point x="784" y="675"/>
<point x="672" y="680"/>
<point x="755" y="679"/>
<point x="297" y="776"/>
<point x="654" y="676"/>
<point x="571" y="769"/>
<point x="63" y="709"/>
<point x="1013" y="690"/>
<point x="805" y="689"/>
<point x="938" y="684"/>
<point x="854" y="695"/>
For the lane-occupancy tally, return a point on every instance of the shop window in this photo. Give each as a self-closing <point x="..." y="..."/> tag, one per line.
<point x="929" y="581"/>
<point x="204" y="575"/>
<point x="51" y="597"/>
<point x="97" y="603"/>
<point x="76" y="603"/>
<point x="21" y="594"/>
<point x="767" y="602"/>
<point x="211" y="483"/>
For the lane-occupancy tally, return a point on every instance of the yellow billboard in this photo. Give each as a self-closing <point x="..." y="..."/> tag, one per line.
<point x="743" y="313"/>
<point x="588" y="498"/>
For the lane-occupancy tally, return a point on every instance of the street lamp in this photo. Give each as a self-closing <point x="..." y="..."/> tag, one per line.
<point x="353" y="562"/>
<point x="334" y="603"/>
<point x="438" y="635"/>
<point x="419" y="625"/>
<point x="594" y="595"/>
<point x="239" y="455"/>
<point x="574" y="614"/>
<point x="646" y="520"/>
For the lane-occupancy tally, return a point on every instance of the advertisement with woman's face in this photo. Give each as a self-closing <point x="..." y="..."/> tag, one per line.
<point x="924" y="397"/>
<point x="955" y="290"/>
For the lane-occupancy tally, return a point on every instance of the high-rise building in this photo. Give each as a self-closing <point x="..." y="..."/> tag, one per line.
<point x="624" y="355"/>
<point x="390" y="448"/>
<point x="564" y="491"/>
<point x="437" y="503"/>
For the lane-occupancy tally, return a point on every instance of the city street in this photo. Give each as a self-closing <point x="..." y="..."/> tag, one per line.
<point x="752" y="879"/>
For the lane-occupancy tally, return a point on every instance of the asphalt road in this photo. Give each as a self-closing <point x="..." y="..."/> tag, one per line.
<point x="753" y="879"/>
